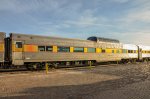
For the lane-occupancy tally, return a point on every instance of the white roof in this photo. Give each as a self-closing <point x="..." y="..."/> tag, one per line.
<point x="130" y="47"/>
<point x="143" y="47"/>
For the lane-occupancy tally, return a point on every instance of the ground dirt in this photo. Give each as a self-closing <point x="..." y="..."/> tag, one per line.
<point x="130" y="81"/>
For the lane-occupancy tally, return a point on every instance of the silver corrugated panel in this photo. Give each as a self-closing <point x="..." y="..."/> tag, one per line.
<point x="42" y="40"/>
<point x="1" y="57"/>
<point x="2" y="36"/>
<point x="70" y="56"/>
<point x="60" y="56"/>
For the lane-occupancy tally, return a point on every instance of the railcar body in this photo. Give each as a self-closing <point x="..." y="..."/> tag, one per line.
<point x="130" y="53"/>
<point x="33" y="48"/>
<point x="145" y="52"/>
<point x="2" y="47"/>
<point x="131" y="50"/>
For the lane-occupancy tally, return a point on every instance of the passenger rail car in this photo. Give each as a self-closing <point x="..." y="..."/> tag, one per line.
<point x="131" y="51"/>
<point x="34" y="51"/>
<point x="144" y="52"/>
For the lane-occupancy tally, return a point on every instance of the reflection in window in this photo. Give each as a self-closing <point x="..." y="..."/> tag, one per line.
<point x="129" y="51"/>
<point x="113" y="51"/>
<point x="18" y="44"/>
<point x="49" y="48"/>
<point x="91" y="50"/>
<point x="103" y="51"/>
<point x="78" y="49"/>
<point x="63" y="49"/>
<point x="124" y="51"/>
<point x="41" y="48"/>
<point x="118" y="51"/>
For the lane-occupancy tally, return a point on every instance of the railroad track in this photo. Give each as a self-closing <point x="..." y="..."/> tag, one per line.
<point x="24" y="70"/>
<point x="12" y="70"/>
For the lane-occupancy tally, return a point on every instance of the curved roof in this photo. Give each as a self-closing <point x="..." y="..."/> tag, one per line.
<point x="144" y="47"/>
<point x="101" y="39"/>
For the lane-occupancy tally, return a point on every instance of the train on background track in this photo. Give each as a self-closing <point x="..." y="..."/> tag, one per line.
<point x="34" y="51"/>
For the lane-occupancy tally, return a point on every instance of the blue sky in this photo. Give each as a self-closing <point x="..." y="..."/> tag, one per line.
<point x="125" y="20"/>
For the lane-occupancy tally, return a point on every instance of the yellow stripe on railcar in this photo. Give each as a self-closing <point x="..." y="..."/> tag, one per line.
<point x="1" y="47"/>
<point x="71" y="49"/>
<point x="108" y="50"/>
<point x="54" y="48"/>
<point x="15" y="49"/>
<point x="98" y="50"/>
<point x="85" y="50"/>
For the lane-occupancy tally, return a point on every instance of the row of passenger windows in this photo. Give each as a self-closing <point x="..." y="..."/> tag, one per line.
<point x="145" y="51"/>
<point x="43" y="48"/>
<point x="117" y="51"/>
<point x="80" y="49"/>
<point x="131" y="51"/>
<point x="64" y="49"/>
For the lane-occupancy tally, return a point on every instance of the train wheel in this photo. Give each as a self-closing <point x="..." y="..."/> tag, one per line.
<point x="34" y="66"/>
<point x="55" y="65"/>
<point x="144" y="61"/>
<point x="94" y="63"/>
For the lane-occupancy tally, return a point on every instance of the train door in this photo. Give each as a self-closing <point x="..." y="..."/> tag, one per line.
<point x="18" y="53"/>
<point x="139" y="53"/>
<point x="19" y="47"/>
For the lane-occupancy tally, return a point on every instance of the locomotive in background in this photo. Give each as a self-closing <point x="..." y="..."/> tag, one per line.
<point x="34" y="51"/>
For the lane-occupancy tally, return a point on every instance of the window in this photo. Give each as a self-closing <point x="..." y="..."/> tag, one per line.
<point x="129" y="51"/>
<point x="134" y="51"/>
<point x="18" y="44"/>
<point x="118" y="51"/>
<point x="91" y="50"/>
<point x="113" y="51"/>
<point x="78" y="49"/>
<point x="124" y="51"/>
<point x="49" y="48"/>
<point x="103" y="51"/>
<point x="41" y="48"/>
<point x="63" y="49"/>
